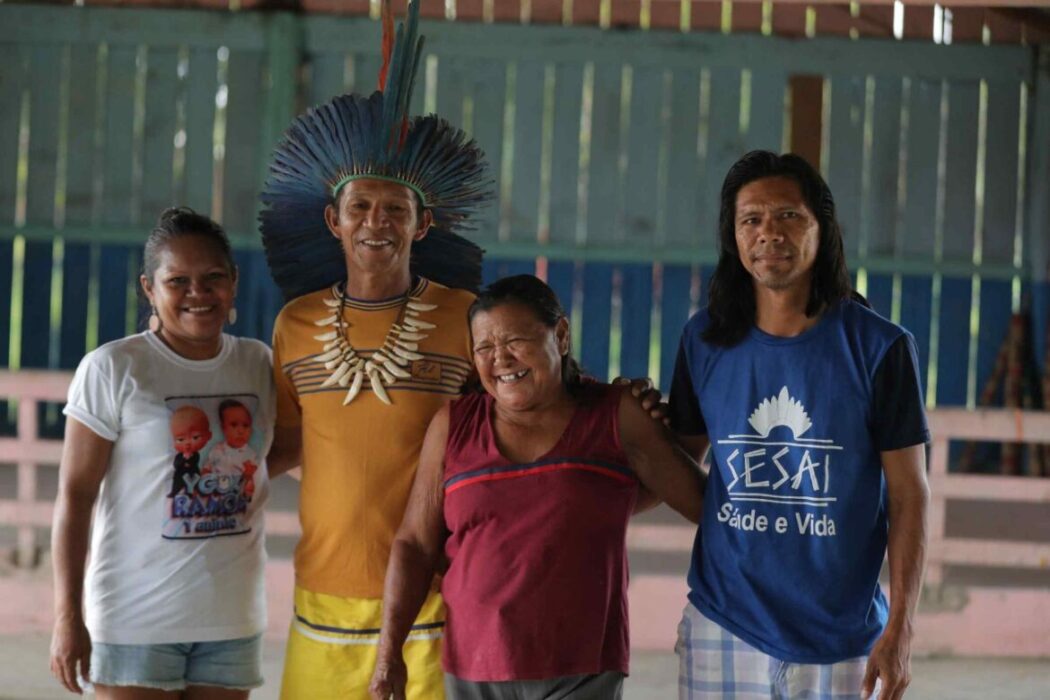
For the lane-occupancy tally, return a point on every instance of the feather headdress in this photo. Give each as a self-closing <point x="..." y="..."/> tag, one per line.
<point x="353" y="136"/>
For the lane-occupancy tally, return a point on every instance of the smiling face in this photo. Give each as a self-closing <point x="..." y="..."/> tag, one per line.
<point x="192" y="291"/>
<point x="777" y="235"/>
<point x="377" y="221"/>
<point x="517" y="357"/>
<point x="236" y="426"/>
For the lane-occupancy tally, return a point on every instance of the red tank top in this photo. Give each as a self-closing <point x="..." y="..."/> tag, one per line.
<point x="537" y="586"/>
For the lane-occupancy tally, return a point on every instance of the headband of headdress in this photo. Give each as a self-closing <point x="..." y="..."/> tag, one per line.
<point x="352" y="137"/>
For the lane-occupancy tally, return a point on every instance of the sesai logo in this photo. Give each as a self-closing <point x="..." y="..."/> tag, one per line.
<point x="776" y="464"/>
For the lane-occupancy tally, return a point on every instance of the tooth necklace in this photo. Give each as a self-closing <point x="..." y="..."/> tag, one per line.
<point x="386" y="365"/>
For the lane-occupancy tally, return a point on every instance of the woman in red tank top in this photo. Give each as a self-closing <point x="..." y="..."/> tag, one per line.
<point x="527" y="488"/>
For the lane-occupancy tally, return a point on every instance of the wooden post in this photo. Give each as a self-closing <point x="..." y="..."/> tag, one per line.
<point x="807" y="114"/>
<point x="28" y="551"/>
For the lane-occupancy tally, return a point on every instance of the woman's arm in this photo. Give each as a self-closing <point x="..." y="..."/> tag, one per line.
<point x="85" y="459"/>
<point x="286" y="452"/>
<point x="414" y="559"/>
<point x="663" y="467"/>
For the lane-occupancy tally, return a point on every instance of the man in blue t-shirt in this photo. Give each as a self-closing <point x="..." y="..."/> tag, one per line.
<point x="811" y="407"/>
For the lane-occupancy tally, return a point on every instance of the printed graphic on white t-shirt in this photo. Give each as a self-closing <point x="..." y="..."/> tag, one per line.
<point x="215" y="454"/>
<point x="775" y="466"/>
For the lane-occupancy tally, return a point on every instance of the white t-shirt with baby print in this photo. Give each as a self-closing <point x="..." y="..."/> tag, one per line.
<point x="177" y="550"/>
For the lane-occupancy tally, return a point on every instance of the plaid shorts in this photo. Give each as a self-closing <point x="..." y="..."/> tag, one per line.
<point x="712" y="663"/>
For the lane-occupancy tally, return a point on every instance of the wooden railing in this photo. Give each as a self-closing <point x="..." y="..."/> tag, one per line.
<point x="26" y="512"/>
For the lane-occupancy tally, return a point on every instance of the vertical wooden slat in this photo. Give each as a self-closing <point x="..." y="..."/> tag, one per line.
<point x="327" y="77"/>
<point x="565" y="153"/>
<point x="597" y="312"/>
<point x="528" y="147"/>
<point x="920" y="210"/>
<point x="12" y="82"/>
<point x="80" y="209"/>
<point x="674" y="312"/>
<point x="640" y="218"/>
<point x="201" y="84"/>
<point x="724" y="145"/>
<point x="451" y="87"/>
<point x="603" y="197"/>
<point x="366" y="74"/>
<point x="766" y="118"/>
<point x="789" y="19"/>
<point x="240" y="182"/>
<point x="880" y="216"/>
<point x="45" y="84"/>
<point x="561" y="276"/>
<point x="489" y="96"/>
<point x="625" y="14"/>
<point x="686" y="210"/>
<point x="1037" y="218"/>
<point x="159" y="133"/>
<point x="960" y="176"/>
<point x="1000" y="194"/>
<point x="845" y="157"/>
<point x="994" y="323"/>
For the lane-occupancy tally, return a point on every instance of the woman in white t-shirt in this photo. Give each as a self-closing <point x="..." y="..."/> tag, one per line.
<point x="172" y="604"/>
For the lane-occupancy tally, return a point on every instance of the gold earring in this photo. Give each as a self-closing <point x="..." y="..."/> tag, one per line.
<point x="154" y="320"/>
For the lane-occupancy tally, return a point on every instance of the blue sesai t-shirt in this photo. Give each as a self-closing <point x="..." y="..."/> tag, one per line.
<point x="794" y="529"/>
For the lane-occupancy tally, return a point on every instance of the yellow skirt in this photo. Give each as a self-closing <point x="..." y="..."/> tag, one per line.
<point x="332" y="648"/>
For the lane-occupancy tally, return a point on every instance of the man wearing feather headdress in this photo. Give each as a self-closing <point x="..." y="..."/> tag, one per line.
<point x="361" y="205"/>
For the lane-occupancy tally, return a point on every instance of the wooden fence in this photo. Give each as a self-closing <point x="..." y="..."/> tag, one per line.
<point x="609" y="148"/>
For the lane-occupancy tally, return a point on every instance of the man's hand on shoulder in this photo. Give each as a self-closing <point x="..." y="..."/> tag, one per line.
<point x="647" y="395"/>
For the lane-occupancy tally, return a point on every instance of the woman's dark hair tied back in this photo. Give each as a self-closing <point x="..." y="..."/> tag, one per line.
<point x="533" y="293"/>
<point x="182" y="221"/>
<point x="731" y="295"/>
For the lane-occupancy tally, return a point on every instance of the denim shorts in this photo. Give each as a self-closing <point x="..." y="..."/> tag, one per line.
<point x="230" y="663"/>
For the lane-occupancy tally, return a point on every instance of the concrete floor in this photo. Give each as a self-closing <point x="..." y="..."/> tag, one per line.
<point x="24" y="675"/>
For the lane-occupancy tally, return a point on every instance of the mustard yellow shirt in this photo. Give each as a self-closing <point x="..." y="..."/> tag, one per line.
<point x="359" y="460"/>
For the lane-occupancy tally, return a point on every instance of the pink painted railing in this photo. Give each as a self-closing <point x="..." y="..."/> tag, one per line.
<point x="26" y="512"/>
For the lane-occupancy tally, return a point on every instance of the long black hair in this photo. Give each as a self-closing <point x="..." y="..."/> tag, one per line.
<point x="731" y="294"/>
<point x="534" y="294"/>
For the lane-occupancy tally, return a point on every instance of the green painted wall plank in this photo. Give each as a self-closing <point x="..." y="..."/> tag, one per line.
<point x="845" y="154"/>
<point x="45" y="85"/>
<point x="1000" y="175"/>
<point x="489" y="91"/>
<point x="241" y="172"/>
<point x="641" y="212"/>
<point x="82" y="163"/>
<point x="565" y="153"/>
<point x="820" y="55"/>
<point x="683" y="195"/>
<point x="130" y="27"/>
<point x="880" y="210"/>
<point x="366" y="74"/>
<point x="604" y="189"/>
<point x="961" y="170"/>
<point x="159" y="134"/>
<point x="766" y="117"/>
<point x="243" y="133"/>
<point x="524" y="201"/>
<point x="327" y="77"/>
<point x="451" y="89"/>
<point x="724" y="146"/>
<point x="12" y="81"/>
<point x="923" y="150"/>
<point x="201" y="84"/>
<point x="1037" y="217"/>
<point x="81" y="207"/>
